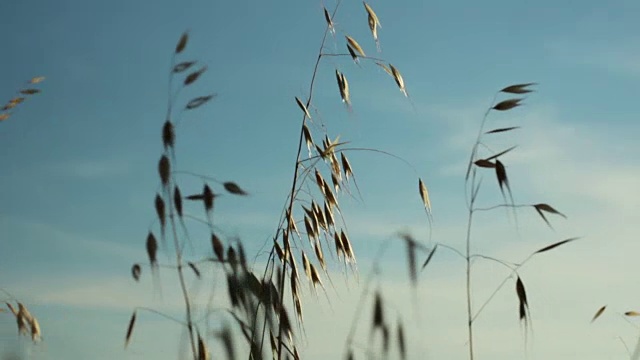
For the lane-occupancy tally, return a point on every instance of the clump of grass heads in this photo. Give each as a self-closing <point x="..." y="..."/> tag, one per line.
<point x="26" y="323"/>
<point x="23" y="94"/>
<point x="312" y="229"/>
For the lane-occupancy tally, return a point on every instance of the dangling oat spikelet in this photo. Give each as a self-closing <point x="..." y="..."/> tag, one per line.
<point x="346" y="166"/>
<point x="398" y="78"/>
<point x="374" y="24"/>
<point x="327" y="17"/>
<point x="182" y="43"/>
<point x="319" y="254"/>
<point x="303" y="107"/>
<point x="164" y="169"/>
<point x="328" y="214"/>
<point x="343" y="86"/>
<point x="354" y="45"/>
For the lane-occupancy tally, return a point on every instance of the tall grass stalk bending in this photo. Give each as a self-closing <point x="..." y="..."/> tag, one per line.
<point x="258" y="305"/>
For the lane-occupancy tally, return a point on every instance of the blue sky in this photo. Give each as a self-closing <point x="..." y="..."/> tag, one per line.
<point x="79" y="160"/>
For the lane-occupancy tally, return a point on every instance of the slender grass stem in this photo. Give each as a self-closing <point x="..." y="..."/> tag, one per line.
<point x="468" y="285"/>
<point x="473" y="185"/>
<point x="183" y="285"/>
<point x="294" y="182"/>
<point x="179" y="262"/>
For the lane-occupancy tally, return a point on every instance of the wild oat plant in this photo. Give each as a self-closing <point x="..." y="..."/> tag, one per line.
<point x="266" y="304"/>
<point x="482" y="161"/>
<point x="627" y="315"/>
<point x="27" y="324"/>
<point x="10" y="106"/>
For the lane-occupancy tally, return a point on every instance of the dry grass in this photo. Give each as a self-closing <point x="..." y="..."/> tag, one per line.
<point x="27" y="324"/>
<point x="10" y="106"/>
<point x="265" y="303"/>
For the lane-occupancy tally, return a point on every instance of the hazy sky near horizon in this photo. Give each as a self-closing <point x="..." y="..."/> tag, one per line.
<point x="79" y="163"/>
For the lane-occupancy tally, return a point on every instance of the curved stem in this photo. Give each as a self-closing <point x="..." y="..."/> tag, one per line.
<point x="179" y="263"/>
<point x="295" y="177"/>
<point x="367" y="149"/>
<point x="349" y="55"/>
<point x="456" y="251"/>
<point x="203" y="177"/>
<point x="514" y="270"/>
<point x="183" y="285"/>
<point x="11" y="297"/>
<point x="501" y="262"/>
<point x="511" y="206"/>
<point x="471" y="199"/>
<point x="468" y="287"/>
<point x="161" y="314"/>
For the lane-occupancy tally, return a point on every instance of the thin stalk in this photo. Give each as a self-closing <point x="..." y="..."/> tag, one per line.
<point x="295" y="179"/>
<point x="514" y="270"/>
<point x="183" y="285"/>
<point x="472" y="199"/>
<point x="359" y="56"/>
<point x="160" y="313"/>
<point x="468" y="258"/>
<point x="179" y="263"/>
<point x="11" y="297"/>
